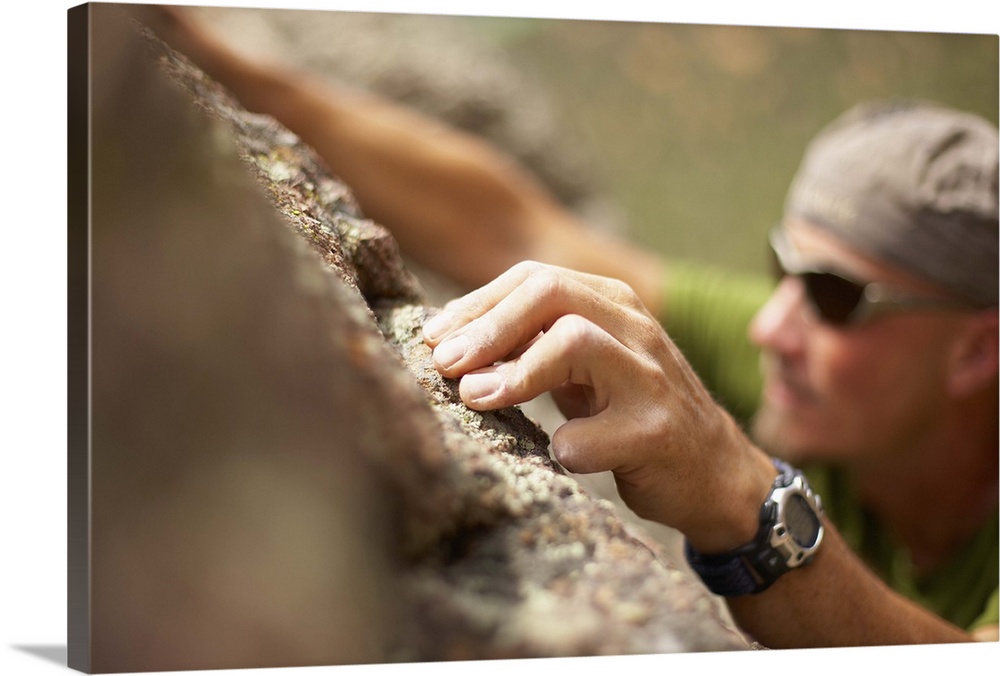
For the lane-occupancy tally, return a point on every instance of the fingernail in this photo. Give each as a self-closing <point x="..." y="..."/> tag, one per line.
<point x="436" y="326"/>
<point x="476" y="386"/>
<point x="450" y="351"/>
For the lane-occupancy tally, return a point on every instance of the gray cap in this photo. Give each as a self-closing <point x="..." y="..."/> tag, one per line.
<point x="911" y="184"/>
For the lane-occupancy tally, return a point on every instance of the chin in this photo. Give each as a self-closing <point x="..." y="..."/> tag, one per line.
<point x="785" y="437"/>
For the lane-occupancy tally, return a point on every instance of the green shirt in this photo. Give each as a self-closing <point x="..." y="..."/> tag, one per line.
<point x="707" y="314"/>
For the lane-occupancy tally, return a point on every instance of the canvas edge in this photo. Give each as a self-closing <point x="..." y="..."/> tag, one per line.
<point x="78" y="652"/>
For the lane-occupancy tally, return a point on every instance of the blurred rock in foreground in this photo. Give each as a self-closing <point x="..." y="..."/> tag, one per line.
<point x="278" y="476"/>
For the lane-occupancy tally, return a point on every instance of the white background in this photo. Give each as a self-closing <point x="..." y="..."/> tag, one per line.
<point x="33" y="325"/>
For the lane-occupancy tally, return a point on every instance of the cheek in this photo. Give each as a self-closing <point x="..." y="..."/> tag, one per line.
<point x="875" y="384"/>
<point x="841" y="371"/>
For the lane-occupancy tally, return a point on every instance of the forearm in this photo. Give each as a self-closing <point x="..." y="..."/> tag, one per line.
<point x="834" y="600"/>
<point x="453" y="202"/>
<point x="837" y="601"/>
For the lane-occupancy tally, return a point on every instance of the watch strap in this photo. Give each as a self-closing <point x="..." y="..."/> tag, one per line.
<point x="752" y="568"/>
<point x="730" y="576"/>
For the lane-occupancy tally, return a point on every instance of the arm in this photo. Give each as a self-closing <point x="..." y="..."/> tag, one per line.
<point x="453" y="203"/>
<point x="636" y="409"/>
<point x="837" y="601"/>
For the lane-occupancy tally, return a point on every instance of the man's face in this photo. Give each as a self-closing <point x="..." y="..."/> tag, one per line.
<point x="847" y="393"/>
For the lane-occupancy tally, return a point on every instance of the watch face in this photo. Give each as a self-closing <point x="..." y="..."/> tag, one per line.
<point x="802" y="522"/>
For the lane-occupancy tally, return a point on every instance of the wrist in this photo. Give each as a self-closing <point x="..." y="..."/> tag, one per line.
<point x="737" y="516"/>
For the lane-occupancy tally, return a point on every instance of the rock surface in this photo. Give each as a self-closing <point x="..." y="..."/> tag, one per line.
<point x="280" y="476"/>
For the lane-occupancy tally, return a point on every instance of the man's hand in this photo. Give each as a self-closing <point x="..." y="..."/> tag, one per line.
<point x="634" y="405"/>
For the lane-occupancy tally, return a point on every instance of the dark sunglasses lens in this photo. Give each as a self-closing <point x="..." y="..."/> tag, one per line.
<point x="834" y="298"/>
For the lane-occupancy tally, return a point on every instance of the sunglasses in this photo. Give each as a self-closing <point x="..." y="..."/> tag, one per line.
<point x="840" y="301"/>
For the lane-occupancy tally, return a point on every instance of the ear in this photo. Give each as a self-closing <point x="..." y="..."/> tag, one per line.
<point x="974" y="356"/>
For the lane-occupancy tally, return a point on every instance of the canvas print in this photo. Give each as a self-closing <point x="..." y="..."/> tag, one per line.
<point x="409" y="338"/>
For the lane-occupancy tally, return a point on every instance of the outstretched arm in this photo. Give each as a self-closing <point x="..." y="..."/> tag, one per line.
<point x="454" y="203"/>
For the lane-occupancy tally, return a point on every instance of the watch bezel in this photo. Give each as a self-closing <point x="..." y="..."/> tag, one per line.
<point x="782" y="536"/>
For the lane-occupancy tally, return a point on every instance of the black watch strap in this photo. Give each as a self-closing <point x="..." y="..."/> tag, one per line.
<point x="729" y="576"/>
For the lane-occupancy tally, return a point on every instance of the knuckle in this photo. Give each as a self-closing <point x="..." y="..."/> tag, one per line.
<point x="528" y="268"/>
<point x="652" y="334"/>
<point x="522" y="378"/>
<point x="623" y="294"/>
<point x="517" y="378"/>
<point x="463" y="310"/>
<point x="574" y="331"/>
<point x="544" y="283"/>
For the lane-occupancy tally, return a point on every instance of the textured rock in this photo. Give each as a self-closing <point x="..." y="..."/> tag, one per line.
<point x="312" y="490"/>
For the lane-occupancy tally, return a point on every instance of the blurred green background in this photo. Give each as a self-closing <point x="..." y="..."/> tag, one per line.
<point x="698" y="129"/>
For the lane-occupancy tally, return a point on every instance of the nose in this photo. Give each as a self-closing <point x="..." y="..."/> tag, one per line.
<point x="778" y="325"/>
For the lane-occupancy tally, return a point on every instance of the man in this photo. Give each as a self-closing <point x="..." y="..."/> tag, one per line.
<point x="878" y="352"/>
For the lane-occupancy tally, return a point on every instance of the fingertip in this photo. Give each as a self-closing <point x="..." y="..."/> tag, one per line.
<point x="479" y="390"/>
<point x="448" y="353"/>
<point x="437" y="326"/>
<point x="573" y="447"/>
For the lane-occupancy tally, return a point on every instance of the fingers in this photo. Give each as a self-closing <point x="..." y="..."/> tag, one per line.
<point x="461" y="311"/>
<point x="504" y="317"/>
<point x="574" y="354"/>
<point x="574" y="350"/>
<point x="537" y="329"/>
